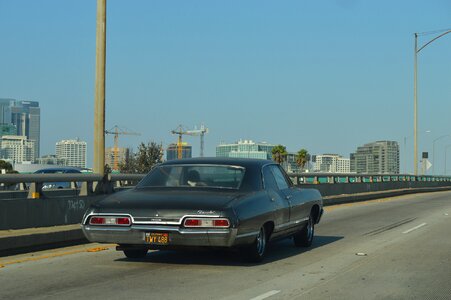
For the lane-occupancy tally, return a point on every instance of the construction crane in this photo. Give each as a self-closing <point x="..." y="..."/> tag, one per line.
<point x="202" y="131"/>
<point x="116" y="131"/>
<point x="180" y="131"/>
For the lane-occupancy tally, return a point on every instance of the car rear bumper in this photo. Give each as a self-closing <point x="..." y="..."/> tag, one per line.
<point x="135" y="235"/>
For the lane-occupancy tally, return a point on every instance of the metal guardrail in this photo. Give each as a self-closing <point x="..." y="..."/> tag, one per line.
<point x="88" y="184"/>
<point x="85" y="184"/>
<point x="336" y="178"/>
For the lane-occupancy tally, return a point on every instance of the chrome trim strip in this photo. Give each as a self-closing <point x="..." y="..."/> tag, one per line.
<point x="295" y="222"/>
<point x="107" y="214"/>
<point x="159" y="228"/>
<point x="179" y="222"/>
<point x="247" y="234"/>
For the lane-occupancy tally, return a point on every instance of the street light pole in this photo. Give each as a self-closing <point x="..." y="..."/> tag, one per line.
<point x="446" y="152"/>
<point x="415" y="111"/>
<point x="415" y="94"/>
<point x="99" y="101"/>
<point x="433" y="151"/>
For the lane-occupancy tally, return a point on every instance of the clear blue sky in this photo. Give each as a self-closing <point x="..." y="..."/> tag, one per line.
<point x="327" y="76"/>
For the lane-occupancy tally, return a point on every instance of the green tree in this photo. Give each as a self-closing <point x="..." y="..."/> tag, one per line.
<point x="279" y="153"/>
<point x="302" y="158"/>
<point x="143" y="160"/>
<point x="4" y="165"/>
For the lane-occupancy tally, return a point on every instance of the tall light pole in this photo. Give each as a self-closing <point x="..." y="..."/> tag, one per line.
<point x="415" y="111"/>
<point x="415" y="94"/>
<point x="99" y="101"/>
<point x="446" y="152"/>
<point x="433" y="151"/>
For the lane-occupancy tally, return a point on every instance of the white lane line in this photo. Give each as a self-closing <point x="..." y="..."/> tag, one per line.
<point x="415" y="228"/>
<point x="266" y="295"/>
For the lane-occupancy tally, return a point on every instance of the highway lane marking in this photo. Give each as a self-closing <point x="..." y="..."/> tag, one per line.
<point x="415" y="228"/>
<point x="266" y="295"/>
<point x="52" y="255"/>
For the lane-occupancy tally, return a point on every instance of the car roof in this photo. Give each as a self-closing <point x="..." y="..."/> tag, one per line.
<point x="243" y="162"/>
<point x="55" y="170"/>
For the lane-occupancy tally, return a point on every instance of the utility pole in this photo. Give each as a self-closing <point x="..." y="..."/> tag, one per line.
<point x="99" y="100"/>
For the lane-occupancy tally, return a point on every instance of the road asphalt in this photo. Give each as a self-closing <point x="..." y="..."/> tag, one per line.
<point x="33" y="239"/>
<point x="391" y="248"/>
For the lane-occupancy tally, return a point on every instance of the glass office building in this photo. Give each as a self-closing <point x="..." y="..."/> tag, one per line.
<point x="245" y="149"/>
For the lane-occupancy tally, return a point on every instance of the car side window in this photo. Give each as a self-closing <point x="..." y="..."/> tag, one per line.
<point x="281" y="181"/>
<point x="268" y="179"/>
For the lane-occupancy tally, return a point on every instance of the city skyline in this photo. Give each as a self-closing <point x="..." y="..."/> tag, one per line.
<point x="321" y="76"/>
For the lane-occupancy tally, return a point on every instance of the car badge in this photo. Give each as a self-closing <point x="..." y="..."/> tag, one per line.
<point x="203" y="212"/>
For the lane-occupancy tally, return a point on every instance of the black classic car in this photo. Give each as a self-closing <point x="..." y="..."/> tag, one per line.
<point x="211" y="202"/>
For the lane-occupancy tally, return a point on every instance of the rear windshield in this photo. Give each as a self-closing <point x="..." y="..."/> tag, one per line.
<point x="213" y="176"/>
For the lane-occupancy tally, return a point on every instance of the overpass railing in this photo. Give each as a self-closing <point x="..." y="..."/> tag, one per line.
<point x="334" y="178"/>
<point x="31" y="185"/>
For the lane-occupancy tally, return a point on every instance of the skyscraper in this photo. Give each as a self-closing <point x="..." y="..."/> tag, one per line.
<point x="26" y="116"/>
<point x="381" y="157"/>
<point x="73" y="151"/>
<point x="5" y="111"/>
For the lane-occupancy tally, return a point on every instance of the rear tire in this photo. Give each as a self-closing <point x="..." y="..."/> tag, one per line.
<point x="304" y="237"/>
<point x="135" y="253"/>
<point x="257" y="250"/>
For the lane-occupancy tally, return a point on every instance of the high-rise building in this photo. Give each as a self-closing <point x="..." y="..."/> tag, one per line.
<point x="172" y="151"/>
<point x="17" y="148"/>
<point x="51" y="160"/>
<point x="381" y="157"/>
<point x="26" y="116"/>
<point x="122" y="154"/>
<point x="5" y="110"/>
<point x="245" y="149"/>
<point x="73" y="151"/>
<point x="332" y="163"/>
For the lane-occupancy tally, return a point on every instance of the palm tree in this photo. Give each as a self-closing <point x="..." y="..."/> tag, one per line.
<point x="302" y="157"/>
<point x="279" y="153"/>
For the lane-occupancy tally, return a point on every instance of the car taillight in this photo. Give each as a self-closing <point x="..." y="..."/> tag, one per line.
<point x="122" y="221"/>
<point x="221" y="223"/>
<point x="207" y="222"/>
<point x="193" y="222"/>
<point x="97" y="221"/>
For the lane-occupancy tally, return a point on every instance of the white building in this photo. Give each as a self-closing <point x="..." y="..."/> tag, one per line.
<point x="17" y="148"/>
<point x="332" y="163"/>
<point x="73" y="151"/>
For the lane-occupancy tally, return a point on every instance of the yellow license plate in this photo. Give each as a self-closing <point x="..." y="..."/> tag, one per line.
<point x="156" y="238"/>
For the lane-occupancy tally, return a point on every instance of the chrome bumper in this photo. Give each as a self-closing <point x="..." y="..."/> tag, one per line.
<point x="134" y="235"/>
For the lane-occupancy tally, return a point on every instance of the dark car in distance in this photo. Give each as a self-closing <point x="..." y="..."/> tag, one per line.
<point x="207" y="202"/>
<point x="58" y="170"/>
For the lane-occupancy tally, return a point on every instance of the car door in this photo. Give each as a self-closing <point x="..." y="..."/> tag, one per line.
<point x="279" y="204"/>
<point x="292" y="195"/>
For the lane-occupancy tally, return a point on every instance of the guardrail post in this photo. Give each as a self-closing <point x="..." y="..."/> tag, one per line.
<point x="86" y="188"/>
<point x="35" y="190"/>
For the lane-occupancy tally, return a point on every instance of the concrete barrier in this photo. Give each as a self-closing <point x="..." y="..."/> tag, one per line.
<point x="29" y="213"/>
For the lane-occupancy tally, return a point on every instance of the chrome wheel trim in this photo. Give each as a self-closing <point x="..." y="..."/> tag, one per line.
<point x="310" y="229"/>
<point x="261" y="242"/>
